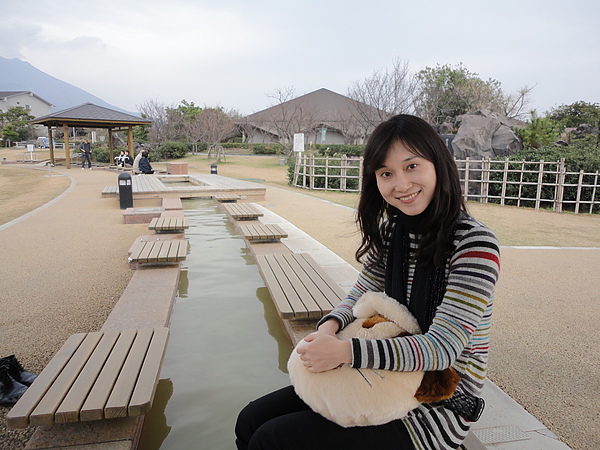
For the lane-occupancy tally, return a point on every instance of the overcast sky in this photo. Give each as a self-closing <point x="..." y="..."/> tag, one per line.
<point x="235" y="53"/>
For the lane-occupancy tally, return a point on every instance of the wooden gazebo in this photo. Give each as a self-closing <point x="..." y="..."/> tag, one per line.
<point x="89" y="115"/>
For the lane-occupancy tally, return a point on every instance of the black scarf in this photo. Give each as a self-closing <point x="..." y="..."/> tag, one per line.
<point x="428" y="286"/>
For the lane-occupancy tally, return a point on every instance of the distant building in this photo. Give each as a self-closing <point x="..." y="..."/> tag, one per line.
<point x="36" y="105"/>
<point x="324" y="117"/>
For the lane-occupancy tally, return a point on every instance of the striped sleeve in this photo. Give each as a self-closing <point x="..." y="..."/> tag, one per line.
<point x="456" y="328"/>
<point x="368" y="280"/>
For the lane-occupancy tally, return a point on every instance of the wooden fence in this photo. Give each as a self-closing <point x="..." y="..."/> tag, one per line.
<point x="536" y="184"/>
<point x="328" y="173"/>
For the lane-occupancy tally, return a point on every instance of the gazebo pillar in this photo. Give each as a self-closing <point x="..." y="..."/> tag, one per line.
<point x="130" y="141"/>
<point x="110" y="147"/>
<point x="67" y="148"/>
<point x="51" y="145"/>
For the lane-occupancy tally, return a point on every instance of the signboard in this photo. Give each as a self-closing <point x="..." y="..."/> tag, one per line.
<point x="299" y="142"/>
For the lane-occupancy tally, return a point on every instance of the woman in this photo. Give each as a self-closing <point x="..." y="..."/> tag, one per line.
<point x="120" y="159"/>
<point x="144" y="164"/>
<point x="423" y="249"/>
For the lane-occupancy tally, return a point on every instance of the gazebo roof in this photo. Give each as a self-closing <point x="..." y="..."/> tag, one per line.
<point x="89" y="115"/>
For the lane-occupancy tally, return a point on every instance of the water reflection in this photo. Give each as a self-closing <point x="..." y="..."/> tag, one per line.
<point x="155" y="420"/>
<point x="227" y="344"/>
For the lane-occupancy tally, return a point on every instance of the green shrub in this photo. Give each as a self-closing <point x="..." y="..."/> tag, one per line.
<point x="340" y="149"/>
<point x="173" y="150"/>
<point x="268" y="149"/>
<point x="234" y="145"/>
<point x="540" y="132"/>
<point x="101" y="154"/>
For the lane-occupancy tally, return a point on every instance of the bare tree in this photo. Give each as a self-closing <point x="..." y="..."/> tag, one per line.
<point x="517" y="103"/>
<point x="289" y="116"/>
<point x="161" y="130"/>
<point x="186" y="118"/>
<point x="215" y="125"/>
<point x="385" y="93"/>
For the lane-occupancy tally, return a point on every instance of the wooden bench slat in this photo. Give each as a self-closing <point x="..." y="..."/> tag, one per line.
<point x="153" y="252"/>
<point x="275" y="289"/>
<point x="240" y="211"/>
<point x="262" y="232"/>
<point x="141" y="400"/>
<point x="68" y="410"/>
<point x="329" y="290"/>
<point x="95" y="376"/>
<point x="226" y="197"/>
<point x="43" y="414"/>
<point x="173" y="252"/>
<point x="153" y="255"/>
<point x="169" y="223"/>
<point x="18" y="416"/>
<point x="93" y="408"/>
<point x="145" y="252"/>
<point x="300" y="288"/>
<point x="163" y="255"/>
<point x="312" y="298"/>
<point x="183" y="250"/>
<point x="123" y="389"/>
<point x="290" y="295"/>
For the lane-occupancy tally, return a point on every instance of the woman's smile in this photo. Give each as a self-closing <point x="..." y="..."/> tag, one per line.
<point x="406" y="181"/>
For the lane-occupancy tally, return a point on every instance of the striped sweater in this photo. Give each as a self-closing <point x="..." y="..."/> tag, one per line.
<point x="458" y="337"/>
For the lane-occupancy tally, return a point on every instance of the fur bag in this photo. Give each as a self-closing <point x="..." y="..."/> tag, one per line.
<point x="360" y="397"/>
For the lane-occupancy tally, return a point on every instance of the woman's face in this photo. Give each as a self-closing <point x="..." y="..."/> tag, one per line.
<point x="406" y="181"/>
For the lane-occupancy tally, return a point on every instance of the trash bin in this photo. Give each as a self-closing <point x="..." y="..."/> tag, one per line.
<point x="125" y="191"/>
<point x="213" y="168"/>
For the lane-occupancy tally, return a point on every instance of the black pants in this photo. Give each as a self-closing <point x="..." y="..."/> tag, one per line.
<point x="281" y="420"/>
<point x="85" y="156"/>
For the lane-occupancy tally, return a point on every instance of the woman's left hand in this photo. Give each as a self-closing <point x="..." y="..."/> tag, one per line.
<point x="320" y="352"/>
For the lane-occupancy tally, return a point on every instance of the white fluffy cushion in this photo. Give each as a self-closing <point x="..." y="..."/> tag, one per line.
<point x="359" y="397"/>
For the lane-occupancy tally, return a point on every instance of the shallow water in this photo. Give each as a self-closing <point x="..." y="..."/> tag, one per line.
<point x="227" y="345"/>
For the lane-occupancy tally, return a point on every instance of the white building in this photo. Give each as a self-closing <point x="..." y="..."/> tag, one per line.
<point x="36" y="105"/>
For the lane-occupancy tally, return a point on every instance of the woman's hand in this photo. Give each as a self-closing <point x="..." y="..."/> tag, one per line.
<point x="322" y="351"/>
<point x="331" y="327"/>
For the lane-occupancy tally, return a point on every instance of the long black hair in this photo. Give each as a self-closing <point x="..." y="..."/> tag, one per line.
<point x="374" y="213"/>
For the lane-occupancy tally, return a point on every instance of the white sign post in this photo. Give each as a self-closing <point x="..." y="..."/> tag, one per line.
<point x="299" y="142"/>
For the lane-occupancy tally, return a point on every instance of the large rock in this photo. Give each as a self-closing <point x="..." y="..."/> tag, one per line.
<point x="482" y="134"/>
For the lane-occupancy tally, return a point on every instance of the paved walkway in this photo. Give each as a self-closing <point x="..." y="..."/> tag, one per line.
<point x="65" y="266"/>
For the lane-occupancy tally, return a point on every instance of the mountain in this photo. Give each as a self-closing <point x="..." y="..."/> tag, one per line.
<point x="17" y="75"/>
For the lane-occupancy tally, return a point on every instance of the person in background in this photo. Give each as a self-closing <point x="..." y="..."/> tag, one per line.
<point x="86" y="154"/>
<point x="127" y="159"/>
<point x="421" y="247"/>
<point x="145" y="166"/>
<point x="120" y="159"/>
<point x="136" y="161"/>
